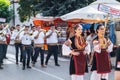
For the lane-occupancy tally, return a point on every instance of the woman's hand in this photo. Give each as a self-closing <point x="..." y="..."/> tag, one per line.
<point x="95" y="42"/>
<point x="75" y="53"/>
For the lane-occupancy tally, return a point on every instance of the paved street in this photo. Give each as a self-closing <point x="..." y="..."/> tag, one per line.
<point x="14" y="72"/>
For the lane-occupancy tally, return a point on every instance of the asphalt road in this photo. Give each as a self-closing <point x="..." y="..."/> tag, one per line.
<point x="12" y="71"/>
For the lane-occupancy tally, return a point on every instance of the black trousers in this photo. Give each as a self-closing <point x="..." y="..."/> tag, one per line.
<point x="5" y="49"/>
<point x="17" y="47"/>
<point x="37" y="51"/>
<point x="32" y="53"/>
<point x="27" y="50"/>
<point x="52" y="50"/>
<point x="1" y="53"/>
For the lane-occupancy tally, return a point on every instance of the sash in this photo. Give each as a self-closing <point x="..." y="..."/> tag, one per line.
<point x="102" y="62"/>
<point x="8" y="38"/>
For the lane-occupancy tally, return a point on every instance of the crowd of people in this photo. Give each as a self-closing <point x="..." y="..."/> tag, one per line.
<point x="97" y="46"/>
<point x="31" y="42"/>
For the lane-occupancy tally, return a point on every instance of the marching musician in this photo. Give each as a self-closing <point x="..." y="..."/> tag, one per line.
<point x="32" y="33"/>
<point x="101" y="62"/>
<point x="26" y="40"/>
<point x="52" y="41"/>
<point x="2" y="45"/>
<point x="17" y="42"/>
<point x="79" y="49"/>
<point x="39" y="45"/>
<point x="8" y="34"/>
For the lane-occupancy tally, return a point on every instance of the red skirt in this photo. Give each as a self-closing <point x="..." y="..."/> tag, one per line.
<point x="80" y="64"/>
<point x="103" y="62"/>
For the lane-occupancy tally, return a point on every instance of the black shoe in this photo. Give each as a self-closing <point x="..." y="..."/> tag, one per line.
<point x="33" y="64"/>
<point x="29" y="67"/>
<point x="103" y="79"/>
<point x="46" y="63"/>
<point x="5" y="58"/>
<point x="23" y="68"/>
<point x="17" y="63"/>
<point x="1" y="67"/>
<point x="43" y="66"/>
<point x="21" y="61"/>
<point x="57" y="65"/>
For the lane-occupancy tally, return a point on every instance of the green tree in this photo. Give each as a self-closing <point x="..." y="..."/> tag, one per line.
<point x="4" y="10"/>
<point x="118" y="0"/>
<point x="26" y="9"/>
<point x="60" y="7"/>
<point x="30" y="8"/>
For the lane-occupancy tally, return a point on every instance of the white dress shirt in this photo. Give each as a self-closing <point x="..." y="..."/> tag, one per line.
<point x="3" y="38"/>
<point x="53" y="38"/>
<point x="26" y="39"/>
<point x="40" y="39"/>
<point x="14" y="34"/>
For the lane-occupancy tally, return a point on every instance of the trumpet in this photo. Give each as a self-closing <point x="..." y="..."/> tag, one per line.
<point x="3" y="31"/>
<point x="19" y="33"/>
<point x="58" y="32"/>
<point x="30" y="33"/>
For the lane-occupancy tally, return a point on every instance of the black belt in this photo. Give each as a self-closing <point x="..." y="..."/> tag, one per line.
<point x="78" y="50"/>
<point x="26" y="45"/>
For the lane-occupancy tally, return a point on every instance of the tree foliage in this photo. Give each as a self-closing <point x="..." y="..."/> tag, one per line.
<point x="26" y="9"/>
<point x="60" y="7"/>
<point x="4" y="10"/>
<point x="30" y="8"/>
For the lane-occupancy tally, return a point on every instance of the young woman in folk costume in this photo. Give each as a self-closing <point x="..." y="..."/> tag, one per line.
<point x="101" y="62"/>
<point x="79" y="48"/>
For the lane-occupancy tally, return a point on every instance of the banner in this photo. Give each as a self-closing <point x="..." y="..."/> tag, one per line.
<point x="2" y="20"/>
<point x="108" y="9"/>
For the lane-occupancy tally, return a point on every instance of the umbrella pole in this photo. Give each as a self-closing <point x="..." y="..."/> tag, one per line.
<point x="106" y="21"/>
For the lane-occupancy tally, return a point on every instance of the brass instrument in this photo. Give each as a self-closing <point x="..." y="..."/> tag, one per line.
<point x="58" y="32"/>
<point x="3" y="31"/>
<point x="17" y="36"/>
<point x="31" y="34"/>
<point x="21" y="31"/>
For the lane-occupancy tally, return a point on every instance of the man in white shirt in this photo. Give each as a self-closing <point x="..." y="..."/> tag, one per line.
<point x="39" y="45"/>
<point x="2" y="45"/>
<point x="8" y="34"/>
<point x="32" y="33"/>
<point x="18" y="45"/>
<point x="26" y="40"/>
<point x="52" y="41"/>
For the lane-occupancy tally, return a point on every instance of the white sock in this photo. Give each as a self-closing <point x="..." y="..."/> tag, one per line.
<point x="105" y="76"/>
<point x="95" y="76"/>
<point x="77" y="77"/>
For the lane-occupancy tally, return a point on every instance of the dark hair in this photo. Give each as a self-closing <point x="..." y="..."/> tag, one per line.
<point x="92" y="31"/>
<point x="76" y="26"/>
<point x="26" y="26"/>
<point x="51" y="25"/>
<point x="32" y="26"/>
<point x="98" y="27"/>
<point x="17" y="25"/>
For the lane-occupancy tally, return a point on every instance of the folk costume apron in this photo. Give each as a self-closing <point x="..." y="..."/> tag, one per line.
<point x="78" y="63"/>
